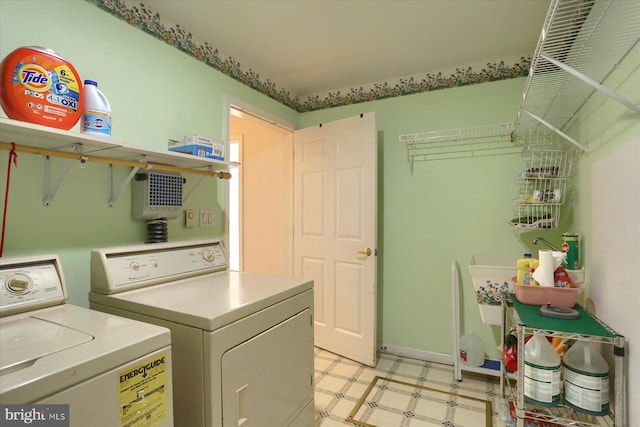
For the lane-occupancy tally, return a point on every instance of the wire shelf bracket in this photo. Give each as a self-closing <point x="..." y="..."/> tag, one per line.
<point x="611" y="94"/>
<point x="558" y="131"/>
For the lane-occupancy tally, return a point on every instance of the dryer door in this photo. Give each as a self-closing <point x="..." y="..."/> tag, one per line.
<point x="268" y="379"/>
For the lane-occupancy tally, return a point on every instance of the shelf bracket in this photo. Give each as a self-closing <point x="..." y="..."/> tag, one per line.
<point x="50" y="189"/>
<point x="592" y="83"/>
<point x="558" y="131"/>
<point x="114" y="196"/>
<point x="193" y="187"/>
<point x="411" y="165"/>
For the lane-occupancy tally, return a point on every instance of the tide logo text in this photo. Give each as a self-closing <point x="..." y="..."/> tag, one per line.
<point x="34" y="77"/>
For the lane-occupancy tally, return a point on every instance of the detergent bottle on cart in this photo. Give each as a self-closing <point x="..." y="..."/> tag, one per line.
<point x="541" y="371"/>
<point x="525" y="265"/>
<point x="586" y="379"/>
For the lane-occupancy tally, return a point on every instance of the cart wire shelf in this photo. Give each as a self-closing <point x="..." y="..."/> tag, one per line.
<point x="524" y="320"/>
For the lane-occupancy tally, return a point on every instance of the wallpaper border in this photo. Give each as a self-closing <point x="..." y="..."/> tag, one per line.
<point x="145" y="18"/>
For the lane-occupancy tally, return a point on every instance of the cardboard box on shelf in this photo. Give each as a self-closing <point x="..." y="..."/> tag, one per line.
<point x="198" y="145"/>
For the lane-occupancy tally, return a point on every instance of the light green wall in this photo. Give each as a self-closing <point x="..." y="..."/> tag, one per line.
<point x="452" y="209"/>
<point x="156" y="92"/>
<point x="449" y="210"/>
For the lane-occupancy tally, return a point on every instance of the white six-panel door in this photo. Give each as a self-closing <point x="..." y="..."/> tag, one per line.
<point x="335" y="206"/>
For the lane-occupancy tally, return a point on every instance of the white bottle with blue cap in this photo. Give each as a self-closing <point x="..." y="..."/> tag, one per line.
<point x="96" y="113"/>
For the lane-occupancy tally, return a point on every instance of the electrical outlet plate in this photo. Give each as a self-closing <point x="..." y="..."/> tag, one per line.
<point x="206" y="218"/>
<point x="190" y="218"/>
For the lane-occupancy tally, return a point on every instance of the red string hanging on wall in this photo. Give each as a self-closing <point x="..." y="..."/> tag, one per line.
<point x="12" y="156"/>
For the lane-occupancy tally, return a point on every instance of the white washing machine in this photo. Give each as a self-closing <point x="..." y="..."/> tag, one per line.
<point x="242" y="343"/>
<point x="111" y="371"/>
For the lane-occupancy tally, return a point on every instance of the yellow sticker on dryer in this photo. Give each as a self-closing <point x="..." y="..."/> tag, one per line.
<point x="143" y="393"/>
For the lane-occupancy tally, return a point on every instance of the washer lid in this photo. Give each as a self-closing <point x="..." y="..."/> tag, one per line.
<point x="27" y="339"/>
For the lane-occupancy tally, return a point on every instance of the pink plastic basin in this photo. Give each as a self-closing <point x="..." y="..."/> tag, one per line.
<point x="543" y="295"/>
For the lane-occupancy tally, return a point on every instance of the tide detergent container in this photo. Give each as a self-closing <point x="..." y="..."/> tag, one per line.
<point x="96" y="115"/>
<point x="39" y="86"/>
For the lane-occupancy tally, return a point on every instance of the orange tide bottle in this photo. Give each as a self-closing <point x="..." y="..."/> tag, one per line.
<point x="39" y="86"/>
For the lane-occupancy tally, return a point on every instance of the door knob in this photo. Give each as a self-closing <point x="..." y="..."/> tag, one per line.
<point x="366" y="252"/>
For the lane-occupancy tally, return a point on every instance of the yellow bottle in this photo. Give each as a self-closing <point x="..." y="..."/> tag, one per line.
<point x="524" y="266"/>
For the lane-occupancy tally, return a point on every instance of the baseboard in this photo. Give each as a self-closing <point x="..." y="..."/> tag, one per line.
<point x="414" y="353"/>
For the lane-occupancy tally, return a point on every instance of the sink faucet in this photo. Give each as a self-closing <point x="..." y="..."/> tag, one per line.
<point x="535" y="242"/>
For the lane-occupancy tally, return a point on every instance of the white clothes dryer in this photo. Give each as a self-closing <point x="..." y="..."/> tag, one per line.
<point x="111" y="371"/>
<point x="242" y="343"/>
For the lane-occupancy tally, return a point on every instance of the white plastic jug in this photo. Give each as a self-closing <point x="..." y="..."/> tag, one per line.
<point x="471" y="351"/>
<point x="541" y="371"/>
<point x="96" y="113"/>
<point x="586" y="379"/>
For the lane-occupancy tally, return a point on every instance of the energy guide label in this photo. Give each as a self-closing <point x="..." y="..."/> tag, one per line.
<point x="143" y="393"/>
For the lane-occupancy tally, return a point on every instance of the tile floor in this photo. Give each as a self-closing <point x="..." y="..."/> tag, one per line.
<point x="341" y="382"/>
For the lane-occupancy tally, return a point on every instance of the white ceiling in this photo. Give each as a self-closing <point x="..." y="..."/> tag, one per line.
<point x="314" y="46"/>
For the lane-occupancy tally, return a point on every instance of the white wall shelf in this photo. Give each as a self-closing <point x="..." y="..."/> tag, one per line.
<point x="45" y="137"/>
<point x="454" y="143"/>
<point x="74" y="146"/>
<point x="581" y="43"/>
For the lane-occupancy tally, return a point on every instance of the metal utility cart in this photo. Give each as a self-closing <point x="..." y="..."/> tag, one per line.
<point x="586" y="327"/>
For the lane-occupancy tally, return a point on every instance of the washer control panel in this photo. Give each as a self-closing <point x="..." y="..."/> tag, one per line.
<point x="118" y="269"/>
<point x="28" y="283"/>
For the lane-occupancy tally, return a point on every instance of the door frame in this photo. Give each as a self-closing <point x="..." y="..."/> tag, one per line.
<point x="269" y="119"/>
